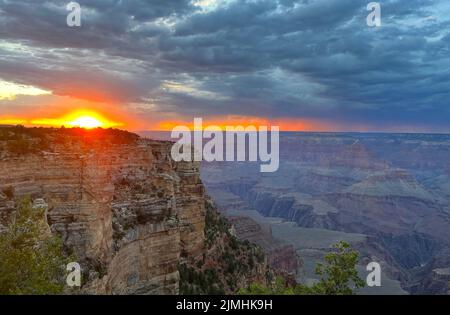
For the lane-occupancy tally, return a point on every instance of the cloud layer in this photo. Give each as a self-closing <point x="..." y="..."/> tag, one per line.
<point x="305" y="59"/>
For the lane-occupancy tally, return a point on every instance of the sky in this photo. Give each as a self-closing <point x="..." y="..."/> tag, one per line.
<point x="303" y="65"/>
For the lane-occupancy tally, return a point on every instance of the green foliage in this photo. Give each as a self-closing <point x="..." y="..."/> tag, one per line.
<point x="225" y="263"/>
<point x="215" y="225"/>
<point x="18" y="140"/>
<point x="99" y="135"/>
<point x="32" y="260"/>
<point x="338" y="277"/>
<point x="279" y="288"/>
<point x="194" y="281"/>
<point x="339" y="274"/>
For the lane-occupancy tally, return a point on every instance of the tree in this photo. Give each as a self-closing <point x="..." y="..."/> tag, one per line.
<point x="279" y="288"/>
<point x="339" y="274"/>
<point x="338" y="277"/>
<point x="32" y="260"/>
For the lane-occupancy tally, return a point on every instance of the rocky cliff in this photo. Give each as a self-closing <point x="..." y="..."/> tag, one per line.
<point x="227" y="263"/>
<point x="121" y="205"/>
<point x="280" y="255"/>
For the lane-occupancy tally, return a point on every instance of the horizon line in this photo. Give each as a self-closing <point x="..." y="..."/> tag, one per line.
<point x="281" y="131"/>
<point x="311" y="131"/>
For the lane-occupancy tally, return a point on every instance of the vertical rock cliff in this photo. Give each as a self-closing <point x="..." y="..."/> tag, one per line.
<point x="128" y="212"/>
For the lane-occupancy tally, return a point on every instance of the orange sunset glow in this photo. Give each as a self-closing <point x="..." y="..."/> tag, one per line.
<point x="77" y="111"/>
<point x="90" y="119"/>
<point x="87" y="119"/>
<point x="221" y="123"/>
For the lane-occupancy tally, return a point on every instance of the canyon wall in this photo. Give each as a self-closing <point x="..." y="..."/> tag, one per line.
<point x="280" y="255"/>
<point x="392" y="188"/>
<point x="128" y="212"/>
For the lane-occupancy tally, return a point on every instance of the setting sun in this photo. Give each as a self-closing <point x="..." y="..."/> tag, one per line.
<point x="82" y="118"/>
<point x="86" y="122"/>
<point x="87" y="119"/>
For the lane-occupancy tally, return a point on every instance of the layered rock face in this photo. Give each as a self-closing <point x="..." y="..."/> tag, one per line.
<point x="227" y="264"/>
<point x="392" y="188"/>
<point x="281" y="255"/>
<point x="128" y="212"/>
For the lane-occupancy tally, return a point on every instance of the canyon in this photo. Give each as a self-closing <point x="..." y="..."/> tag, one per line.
<point x="129" y="214"/>
<point x="386" y="194"/>
<point x="140" y="223"/>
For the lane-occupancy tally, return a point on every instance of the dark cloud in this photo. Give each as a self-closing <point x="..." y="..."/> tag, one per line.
<point x="286" y="58"/>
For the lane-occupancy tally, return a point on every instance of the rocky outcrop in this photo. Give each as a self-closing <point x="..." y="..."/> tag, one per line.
<point x="283" y="206"/>
<point x="127" y="211"/>
<point x="228" y="264"/>
<point x="281" y="255"/>
<point x="434" y="276"/>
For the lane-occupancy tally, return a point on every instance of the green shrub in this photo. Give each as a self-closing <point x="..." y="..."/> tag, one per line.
<point x="32" y="260"/>
<point x="338" y="276"/>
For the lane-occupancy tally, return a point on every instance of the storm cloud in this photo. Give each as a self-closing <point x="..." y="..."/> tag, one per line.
<point x="305" y="59"/>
